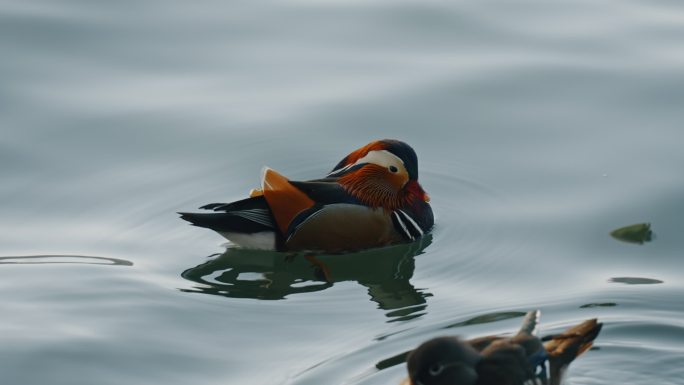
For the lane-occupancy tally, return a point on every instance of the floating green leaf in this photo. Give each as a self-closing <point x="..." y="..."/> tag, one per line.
<point x="637" y="233"/>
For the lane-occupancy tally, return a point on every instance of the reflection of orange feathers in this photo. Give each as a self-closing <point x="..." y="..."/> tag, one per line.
<point x="284" y="199"/>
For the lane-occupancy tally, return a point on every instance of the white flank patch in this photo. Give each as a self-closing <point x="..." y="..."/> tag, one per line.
<point x="264" y="240"/>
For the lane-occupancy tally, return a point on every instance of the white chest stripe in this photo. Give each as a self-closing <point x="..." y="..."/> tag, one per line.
<point x="406" y="232"/>
<point x="412" y="222"/>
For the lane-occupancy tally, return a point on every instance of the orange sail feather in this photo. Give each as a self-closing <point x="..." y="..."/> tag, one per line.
<point x="285" y="200"/>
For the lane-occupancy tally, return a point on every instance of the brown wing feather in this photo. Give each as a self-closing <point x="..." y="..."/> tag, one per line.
<point x="564" y="348"/>
<point x="285" y="200"/>
<point x="577" y="339"/>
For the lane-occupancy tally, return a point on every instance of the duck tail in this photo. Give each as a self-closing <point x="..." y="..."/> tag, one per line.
<point x="563" y="348"/>
<point x="530" y="322"/>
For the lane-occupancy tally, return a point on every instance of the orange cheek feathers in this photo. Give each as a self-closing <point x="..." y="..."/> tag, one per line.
<point x="398" y="180"/>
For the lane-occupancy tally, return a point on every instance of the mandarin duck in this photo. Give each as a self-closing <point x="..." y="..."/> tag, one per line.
<point x="371" y="198"/>
<point x="494" y="360"/>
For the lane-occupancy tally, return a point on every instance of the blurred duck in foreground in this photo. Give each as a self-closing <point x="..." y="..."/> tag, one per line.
<point x="523" y="359"/>
<point x="371" y="198"/>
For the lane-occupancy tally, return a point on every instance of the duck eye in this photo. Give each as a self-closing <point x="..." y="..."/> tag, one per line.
<point x="436" y="369"/>
<point x="393" y="169"/>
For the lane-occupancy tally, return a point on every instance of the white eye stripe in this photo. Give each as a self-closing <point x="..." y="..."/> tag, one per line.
<point x="382" y="158"/>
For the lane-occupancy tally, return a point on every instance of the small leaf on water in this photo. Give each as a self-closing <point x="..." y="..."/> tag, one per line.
<point x="638" y="233"/>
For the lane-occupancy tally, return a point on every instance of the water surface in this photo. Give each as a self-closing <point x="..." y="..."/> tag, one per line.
<point x="540" y="128"/>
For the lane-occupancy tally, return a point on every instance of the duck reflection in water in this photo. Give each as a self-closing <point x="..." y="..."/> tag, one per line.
<point x="385" y="272"/>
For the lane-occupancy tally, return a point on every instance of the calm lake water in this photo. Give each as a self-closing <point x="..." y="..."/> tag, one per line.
<point x="540" y="127"/>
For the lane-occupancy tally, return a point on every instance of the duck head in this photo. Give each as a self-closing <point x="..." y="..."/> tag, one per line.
<point x="443" y="361"/>
<point x="383" y="173"/>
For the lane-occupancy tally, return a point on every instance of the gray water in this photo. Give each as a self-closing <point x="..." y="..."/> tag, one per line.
<point x="540" y="127"/>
